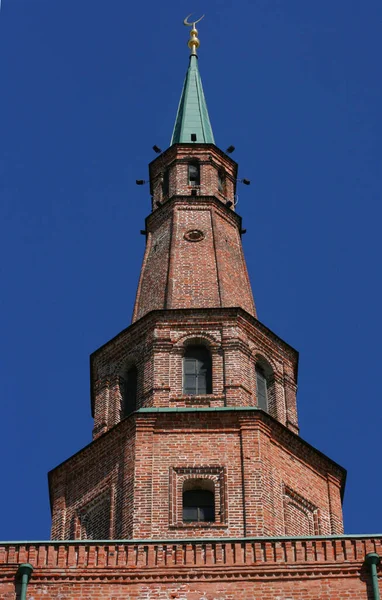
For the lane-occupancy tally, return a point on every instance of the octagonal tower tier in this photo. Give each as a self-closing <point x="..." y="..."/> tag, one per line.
<point x="194" y="404"/>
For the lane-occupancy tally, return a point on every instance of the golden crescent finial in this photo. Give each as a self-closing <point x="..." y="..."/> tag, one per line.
<point x="193" y="23"/>
<point x="193" y="42"/>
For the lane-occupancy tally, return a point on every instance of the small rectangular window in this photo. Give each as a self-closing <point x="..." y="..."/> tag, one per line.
<point x="193" y="137"/>
<point x="193" y="174"/>
<point x="198" y="505"/>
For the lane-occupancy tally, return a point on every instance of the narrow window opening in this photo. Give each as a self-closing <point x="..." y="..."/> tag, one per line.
<point x="221" y="181"/>
<point x="262" y="388"/>
<point x="193" y="174"/>
<point x="165" y="184"/>
<point x="193" y="137"/>
<point x="130" y="391"/>
<point x="198" y="502"/>
<point x="197" y="371"/>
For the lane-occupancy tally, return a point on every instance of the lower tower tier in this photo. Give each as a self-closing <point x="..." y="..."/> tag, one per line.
<point x="150" y="477"/>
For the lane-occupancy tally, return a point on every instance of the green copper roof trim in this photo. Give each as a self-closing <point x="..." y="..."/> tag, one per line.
<point x="159" y="409"/>
<point x="192" y="116"/>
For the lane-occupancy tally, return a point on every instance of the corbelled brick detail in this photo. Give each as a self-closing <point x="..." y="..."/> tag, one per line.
<point x="235" y="569"/>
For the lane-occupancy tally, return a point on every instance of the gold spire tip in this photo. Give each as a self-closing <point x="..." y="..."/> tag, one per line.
<point x="193" y="42"/>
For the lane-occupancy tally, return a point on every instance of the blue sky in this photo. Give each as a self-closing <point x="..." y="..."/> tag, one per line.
<point x="88" y="86"/>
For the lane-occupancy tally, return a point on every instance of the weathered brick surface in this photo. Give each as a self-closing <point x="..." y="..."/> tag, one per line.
<point x="290" y="569"/>
<point x="128" y="483"/>
<point x="104" y="469"/>
<point x="269" y="481"/>
<point x="156" y="345"/>
<point x="178" y="272"/>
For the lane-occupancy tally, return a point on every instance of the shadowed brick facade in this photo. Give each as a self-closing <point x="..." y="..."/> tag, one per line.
<point x="277" y="529"/>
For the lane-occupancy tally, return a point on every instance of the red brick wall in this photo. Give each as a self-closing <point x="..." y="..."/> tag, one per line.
<point x="177" y="272"/>
<point x="176" y="159"/>
<point x="318" y="569"/>
<point x="262" y="471"/>
<point x="156" y="345"/>
<point x="99" y="472"/>
<point x="180" y="273"/>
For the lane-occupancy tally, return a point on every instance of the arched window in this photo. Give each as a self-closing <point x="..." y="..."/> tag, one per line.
<point x="198" y="500"/>
<point x="265" y="385"/>
<point x="129" y="391"/>
<point x="221" y="181"/>
<point x="197" y="371"/>
<point x="193" y="174"/>
<point x="262" y="388"/>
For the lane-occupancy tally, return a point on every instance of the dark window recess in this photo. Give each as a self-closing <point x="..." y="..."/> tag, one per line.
<point x="198" y="505"/>
<point x="221" y="182"/>
<point x="197" y="371"/>
<point x="130" y="391"/>
<point x="193" y="137"/>
<point x="165" y="184"/>
<point x="262" y="388"/>
<point x="193" y="174"/>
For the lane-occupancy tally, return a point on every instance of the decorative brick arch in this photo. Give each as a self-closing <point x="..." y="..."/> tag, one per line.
<point x="93" y="517"/>
<point x="176" y="356"/>
<point x="259" y="356"/>
<point x="301" y="517"/>
<point x="180" y="475"/>
<point x="202" y="339"/>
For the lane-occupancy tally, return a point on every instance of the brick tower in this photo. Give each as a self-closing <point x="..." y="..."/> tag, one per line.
<point x="197" y="483"/>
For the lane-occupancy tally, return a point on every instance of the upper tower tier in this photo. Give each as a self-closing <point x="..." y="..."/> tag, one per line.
<point x="194" y="256"/>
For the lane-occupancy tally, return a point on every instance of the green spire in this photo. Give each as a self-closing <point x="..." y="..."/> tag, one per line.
<point x="192" y="116"/>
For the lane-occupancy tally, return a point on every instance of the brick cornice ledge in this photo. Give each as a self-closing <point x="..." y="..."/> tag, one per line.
<point x="256" y="558"/>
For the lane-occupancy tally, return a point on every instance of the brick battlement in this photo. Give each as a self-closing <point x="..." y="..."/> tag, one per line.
<point x="260" y="557"/>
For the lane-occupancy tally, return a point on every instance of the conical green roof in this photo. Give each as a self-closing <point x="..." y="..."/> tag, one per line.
<point x="192" y="116"/>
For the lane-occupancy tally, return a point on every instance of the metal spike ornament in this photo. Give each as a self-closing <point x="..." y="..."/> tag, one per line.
<point x="193" y="42"/>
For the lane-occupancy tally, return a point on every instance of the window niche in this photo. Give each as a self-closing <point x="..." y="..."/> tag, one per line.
<point x="301" y="517"/>
<point x="198" y="497"/>
<point x="264" y="384"/>
<point x="94" y="519"/>
<point x="197" y="371"/>
<point x="128" y="388"/>
<point x="166" y="185"/>
<point x="222" y="182"/>
<point x="198" y="501"/>
<point x="194" y="174"/>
